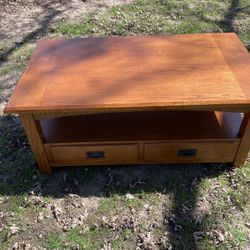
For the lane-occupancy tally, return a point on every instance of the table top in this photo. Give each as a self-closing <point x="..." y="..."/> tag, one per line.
<point x="142" y="72"/>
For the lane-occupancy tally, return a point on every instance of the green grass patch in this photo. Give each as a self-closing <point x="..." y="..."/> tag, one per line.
<point x="239" y="236"/>
<point x="54" y="241"/>
<point x="120" y="242"/>
<point x="15" y="203"/>
<point x="23" y="53"/>
<point x="6" y="69"/>
<point x="108" y="204"/>
<point x="89" y="240"/>
<point x="163" y="17"/>
<point x="4" y="239"/>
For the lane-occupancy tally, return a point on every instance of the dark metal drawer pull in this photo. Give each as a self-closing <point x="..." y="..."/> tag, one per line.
<point x="187" y="152"/>
<point x="95" y="155"/>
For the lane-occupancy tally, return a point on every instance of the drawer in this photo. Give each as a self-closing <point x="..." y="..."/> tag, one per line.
<point x="101" y="154"/>
<point x="191" y="152"/>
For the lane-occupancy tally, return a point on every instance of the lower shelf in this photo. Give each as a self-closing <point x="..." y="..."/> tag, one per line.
<point x="151" y="152"/>
<point x="144" y="125"/>
<point x="142" y="137"/>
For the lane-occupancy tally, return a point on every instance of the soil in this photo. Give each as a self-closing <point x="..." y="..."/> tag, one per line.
<point x="20" y="18"/>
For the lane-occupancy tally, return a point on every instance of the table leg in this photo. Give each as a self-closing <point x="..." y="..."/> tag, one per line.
<point x="244" y="146"/>
<point x="32" y="131"/>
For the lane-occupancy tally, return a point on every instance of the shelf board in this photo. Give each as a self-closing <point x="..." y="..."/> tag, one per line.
<point x="142" y="126"/>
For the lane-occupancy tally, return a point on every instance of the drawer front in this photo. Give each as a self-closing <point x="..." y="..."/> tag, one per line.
<point x="103" y="154"/>
<point x="191" y="152"/>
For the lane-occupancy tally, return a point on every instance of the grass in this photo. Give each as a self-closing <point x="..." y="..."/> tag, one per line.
<point x="17" y="60"/>
<point x="229" y="209"/>
<point x="6" y="69"/>
<point x="220" y="219"/>
<point x="164" y="17"/>
<point x="74" y="238"/>
<point x="54" y="242"/>
<point x="177" y="201"/>
<point x="23" y="53"/>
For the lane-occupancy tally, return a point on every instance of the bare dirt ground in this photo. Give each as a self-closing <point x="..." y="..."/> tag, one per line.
<point x="22" y="18"/>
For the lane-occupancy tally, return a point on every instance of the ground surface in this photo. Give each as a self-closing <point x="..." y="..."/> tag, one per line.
<point x="130" y="207"/>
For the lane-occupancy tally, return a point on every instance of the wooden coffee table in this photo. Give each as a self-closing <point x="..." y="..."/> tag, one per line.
<point x="127" y="100"/>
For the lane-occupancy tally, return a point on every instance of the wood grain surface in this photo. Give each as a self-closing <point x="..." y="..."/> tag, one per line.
<point x="131" y="72"/>
<point x="112" y="154"/>
<point x="35" y="140"/>
<point x="142" y="126"/>
<point x="205" y="152"/>
<point x="244" y="146"/>
<point x="71" y="154"/>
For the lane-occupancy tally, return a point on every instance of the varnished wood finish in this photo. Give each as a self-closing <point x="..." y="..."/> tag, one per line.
<point x="205" y="152"/>
<point x="238" y="59"/>
<point x="136" y="100"/>
<point x="32" y="132"/>
<point x="142" y="126"/>
<point x="244" y="146"/>
<point x="142" y="137"/>
<point x="243" y="124"/>
<point x="77" y="154"/>
<point x="70" y="154"/>
<point x="134" y="72"/>
<point x="48" y="114"/>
